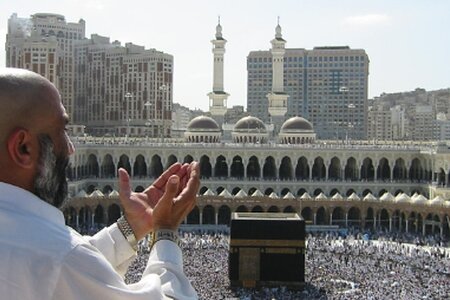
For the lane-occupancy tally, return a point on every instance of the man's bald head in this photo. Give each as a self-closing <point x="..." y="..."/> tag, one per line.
<point x="23" y="95"/>
<point x="34" y="145"/>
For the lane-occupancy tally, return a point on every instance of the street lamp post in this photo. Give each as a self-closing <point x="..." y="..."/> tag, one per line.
<point x="351" y="107"/>
<point x="147" y="104"/>
<point x="128" y="96"/>
<point x="164" y="89"/>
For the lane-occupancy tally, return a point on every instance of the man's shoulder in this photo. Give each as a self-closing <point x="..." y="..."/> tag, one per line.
<point x="35" y="235"/>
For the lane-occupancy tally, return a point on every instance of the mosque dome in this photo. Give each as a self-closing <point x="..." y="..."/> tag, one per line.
<point x="250" y="130"/>
<point x="249" y="124"/>
<point x="202" y="129"/>
<point x="297" y="130"/>
<point x="296" y="124"/>
<point x="203" y="123"/>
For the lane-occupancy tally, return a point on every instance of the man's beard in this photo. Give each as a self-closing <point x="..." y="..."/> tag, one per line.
<point x="50" y="183"/>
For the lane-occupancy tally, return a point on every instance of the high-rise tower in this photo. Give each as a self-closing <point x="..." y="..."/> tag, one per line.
<point x="218" y="97"/>
<point x="43" y="44"/>
<point x="327" y="85"/>
<point x="277" y="97"/>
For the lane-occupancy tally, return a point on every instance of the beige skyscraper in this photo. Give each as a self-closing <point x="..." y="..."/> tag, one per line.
<point x="44" y="43"/>
<point x="123" y="90"/>
<point x="109" y="88"/>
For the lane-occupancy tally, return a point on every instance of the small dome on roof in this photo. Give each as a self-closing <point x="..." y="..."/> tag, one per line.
<point x="202" y="129"/>
<point x="402" y="198"/>
<point x="251" y="124"/>
<point x="113" y="193"/>
<point x="321" y="197"/>
<point x="296" y="124"/>
<point x="225" y="193"/>
<point x="353" y="197"/>
<point x="241" y="194"/>
<point x="203" y="123"/>
<point x="289" y="195"/>
<point x="438" y="201"/>
<point x="257" y="193"/>
<point x="96" y="193"/>
<point x="337" y="197"/>
<point x="297" y="130"/>
<point x="387" y="197"/>
<point x="208" y="193"/>
<point x="420" y="199"/>
<point x="369" y="197"/>
<point x="273" y="195"/>
<point x="306" y="196"/>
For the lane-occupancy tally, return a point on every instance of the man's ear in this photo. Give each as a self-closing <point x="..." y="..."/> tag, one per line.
<point x="20" y="148"/>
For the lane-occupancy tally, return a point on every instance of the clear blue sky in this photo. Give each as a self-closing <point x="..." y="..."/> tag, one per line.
<point x="408" y="42"/>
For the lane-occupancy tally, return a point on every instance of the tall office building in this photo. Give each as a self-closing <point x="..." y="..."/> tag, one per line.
<point x="44" y="43"/>
<point x="326" y="85"/>
<point x="125" y="90"/>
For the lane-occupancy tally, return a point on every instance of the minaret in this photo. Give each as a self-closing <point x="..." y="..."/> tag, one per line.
<point x="277" y="97"/>
<point x="218" y="97"/>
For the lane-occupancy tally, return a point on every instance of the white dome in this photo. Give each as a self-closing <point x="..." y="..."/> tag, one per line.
<point x="437" y="201"/>
<point x="202" y="129"/>
<point x="402" y="198"/>
<point x="250" y="124"/>
<point x="289" y="195"/>
<point x="420" y="199"/>
<point x="257" y="193"/>
<point x="203" y="123"/>
<point x="321" y="197"/>
<point x="113" y="194"/>
<point x="370" y="197"/>
<point x="306" y="196"/>
<point x="387" y="197"/>
<point x="225" y="193"/>
<point x="250" y="130"/>
<point x="353" y="197"/>
<point x="337" y="196"/>
<point x="97" y="194"/>
<point x="296" y="124"/>
<point x="273" y="195"/>
<point x="208" y="193"/>
<point x="241" y="194"/>
<point x="296" y="130"/>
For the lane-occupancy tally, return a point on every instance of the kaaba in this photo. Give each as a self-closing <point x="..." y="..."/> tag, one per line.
<point x="267" y="249"/>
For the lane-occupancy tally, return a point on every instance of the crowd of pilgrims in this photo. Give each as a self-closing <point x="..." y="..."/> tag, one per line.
<point x="350" y="266"/>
